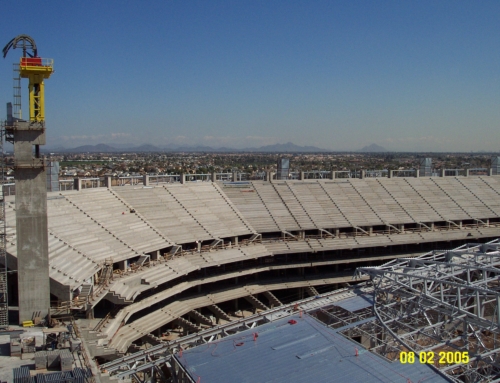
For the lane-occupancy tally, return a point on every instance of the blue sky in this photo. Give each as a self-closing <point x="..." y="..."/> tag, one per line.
<point x="407" y="75"/>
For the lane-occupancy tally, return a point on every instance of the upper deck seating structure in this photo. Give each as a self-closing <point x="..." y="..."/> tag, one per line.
<point x="89" y="227"/>
<point x="187" y="213"/>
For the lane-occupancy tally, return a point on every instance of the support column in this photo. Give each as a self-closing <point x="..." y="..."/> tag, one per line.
<point x="235" y="176"/>
<point x="107" y="181"/>
<point x="417" y="173"/>
<point x="214" y="177"/>
<point x="183" y="178"/>
<point x="77" y="184"/>
<point x="31" y="220"/>
<point x="467" y="172"/>
<point x="155" y="255"/>
<point x="442" y="173"/>
<point x="391" y="174"/>
<point x="122" y="265"/>
<point x="301" y="176"/>
<point x="490" y="171"/>
<point x="333" y="175"/>
<point x="145" y="180"/>
<point x="362" y="174"/>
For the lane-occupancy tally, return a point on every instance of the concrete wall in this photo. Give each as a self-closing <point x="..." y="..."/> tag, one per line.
<point x="32" y="243"/>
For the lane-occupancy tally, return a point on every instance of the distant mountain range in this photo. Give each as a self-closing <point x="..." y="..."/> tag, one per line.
<point x="373" y="148"/>
<point x="104" y="148"/>
<point x="147" y="148"/>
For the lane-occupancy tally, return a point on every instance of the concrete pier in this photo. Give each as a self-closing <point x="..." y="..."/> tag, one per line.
<point x="31" y="220"/>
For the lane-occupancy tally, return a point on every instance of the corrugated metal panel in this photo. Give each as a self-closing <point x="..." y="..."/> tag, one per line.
<point x="306" y="351"/>
<point x="356" y="303"/>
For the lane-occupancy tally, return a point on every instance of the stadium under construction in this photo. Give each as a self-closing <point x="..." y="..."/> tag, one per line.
<point x="361" y="278"/>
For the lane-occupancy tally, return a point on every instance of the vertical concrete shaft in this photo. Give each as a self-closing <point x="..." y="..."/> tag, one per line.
<point x="31" y="222"/>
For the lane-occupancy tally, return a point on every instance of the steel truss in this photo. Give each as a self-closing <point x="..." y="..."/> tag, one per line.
<point x="443" y="301"/>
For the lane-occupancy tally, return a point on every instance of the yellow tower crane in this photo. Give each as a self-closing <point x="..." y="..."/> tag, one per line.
<point x="35" y="69"/>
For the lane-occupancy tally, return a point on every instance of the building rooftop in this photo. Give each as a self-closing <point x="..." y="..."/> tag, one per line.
<point x="298" y="348"/>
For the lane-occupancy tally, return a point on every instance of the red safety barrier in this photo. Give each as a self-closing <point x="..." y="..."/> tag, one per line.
<point x="31" y="61"/>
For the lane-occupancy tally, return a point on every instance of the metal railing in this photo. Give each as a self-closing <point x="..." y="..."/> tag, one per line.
<point x="130" y="180"/>
<point x="404" y="173"/>
<point x="9" y="189"/>
<point x="66" y="185"/>
<point x="157" y="179"/>
<point x="478" y="171"/>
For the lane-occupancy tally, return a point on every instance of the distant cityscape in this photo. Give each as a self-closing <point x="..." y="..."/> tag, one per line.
<point x="91" y="163"/>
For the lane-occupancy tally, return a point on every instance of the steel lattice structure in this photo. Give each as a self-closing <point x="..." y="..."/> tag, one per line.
<point x="441" y="301"/>
<point x="4" y="309"/>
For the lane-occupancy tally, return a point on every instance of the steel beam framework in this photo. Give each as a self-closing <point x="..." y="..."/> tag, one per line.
<point x="443" y="301"/>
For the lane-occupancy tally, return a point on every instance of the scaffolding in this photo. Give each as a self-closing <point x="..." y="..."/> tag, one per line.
<point x="440" y="303"/>
<point x="4" y="308"/>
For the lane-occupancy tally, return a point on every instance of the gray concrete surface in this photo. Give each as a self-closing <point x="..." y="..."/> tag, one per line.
<point x="7" y="363"/>
<point x="31" y="223"/>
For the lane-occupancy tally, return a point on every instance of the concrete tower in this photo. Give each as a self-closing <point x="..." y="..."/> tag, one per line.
<point x="31" y="187"/>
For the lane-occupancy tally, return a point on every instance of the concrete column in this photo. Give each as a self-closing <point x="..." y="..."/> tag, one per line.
<point x="370" y="230"/>
<point x="89" y="314"/>
<point x="467" y="172"/>
<point x="442" y="173"/>
<point x="235" y="239"/>
<point x="271" y="176"/>
<point x="183" y="178"/>
<point x="31" y="220"/>
<point x="107" y="181"/>
<point x="301" y="176"/>
<point x="417" y="173"/>
<point x="155" y="255"/>
<point x="490" y="171"/>
<point x="362" y="174"/>
<point x="198" y="245"/>
<point x="391" y="174"/>
<point x="235" y="176"/>
<point x="214" y="177"/>
<point x="77" y="184"/>
<point x="333" y="175"/>
<point x="145" y="180"/>
<point x="122" y="265"/>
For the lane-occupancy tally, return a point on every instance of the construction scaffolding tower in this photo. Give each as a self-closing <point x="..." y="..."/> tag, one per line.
<point x="16" y="107"/>
<point x="4" y="307"/>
